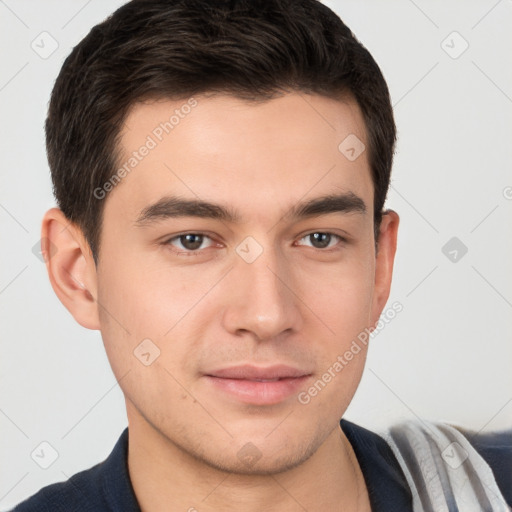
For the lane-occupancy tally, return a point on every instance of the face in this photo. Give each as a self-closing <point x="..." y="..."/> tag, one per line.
<point x="237" y="263"/>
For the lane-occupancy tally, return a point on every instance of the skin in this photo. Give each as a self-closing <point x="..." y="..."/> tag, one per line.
<point x="296" y="304"/>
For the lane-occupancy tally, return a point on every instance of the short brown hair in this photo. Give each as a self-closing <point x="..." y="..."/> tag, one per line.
<point x="252" y="49"/>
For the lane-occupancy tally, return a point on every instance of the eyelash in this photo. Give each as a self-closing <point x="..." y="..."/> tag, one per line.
<point x="197" y="252"/>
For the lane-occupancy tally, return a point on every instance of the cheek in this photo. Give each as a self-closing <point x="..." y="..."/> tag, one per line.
<point x="130" y="310"/>
<point x="146" y="299"/>
<point x="330" y="393"/>
<point x="341" y="294"/>
<point x="140" y="322"/>
<point x="140" y="303"/>
<point x="341" y="298"/>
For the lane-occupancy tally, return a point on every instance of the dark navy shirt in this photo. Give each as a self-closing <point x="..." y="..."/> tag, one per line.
<point x="106" y="487"/>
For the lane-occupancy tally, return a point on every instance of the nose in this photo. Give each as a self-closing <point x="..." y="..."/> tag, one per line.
<point x="262" y="299"/>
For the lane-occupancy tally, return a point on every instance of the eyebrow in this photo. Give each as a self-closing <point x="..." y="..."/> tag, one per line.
<point x="173" y="207"/>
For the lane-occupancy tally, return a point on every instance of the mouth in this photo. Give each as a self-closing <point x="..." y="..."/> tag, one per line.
<point x="258" y="385"/>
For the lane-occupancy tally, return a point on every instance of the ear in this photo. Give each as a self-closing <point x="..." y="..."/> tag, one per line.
<point x="385" y="258"/>
<point x="70" y="267"/>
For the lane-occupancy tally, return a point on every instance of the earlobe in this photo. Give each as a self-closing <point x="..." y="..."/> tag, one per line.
<point x="384" y="262"/>
<point x="70" y="267"/>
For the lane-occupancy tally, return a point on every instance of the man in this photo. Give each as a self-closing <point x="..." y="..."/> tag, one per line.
<point x="221" y="170"/>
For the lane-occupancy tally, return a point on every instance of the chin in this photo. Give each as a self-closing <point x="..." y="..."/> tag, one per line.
<point x="259" y="457"/>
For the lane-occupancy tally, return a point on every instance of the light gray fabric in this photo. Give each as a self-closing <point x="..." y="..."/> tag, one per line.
<point x="444" y="471"/>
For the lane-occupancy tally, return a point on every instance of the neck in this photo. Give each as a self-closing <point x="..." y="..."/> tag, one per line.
<point x="165" y="478"/>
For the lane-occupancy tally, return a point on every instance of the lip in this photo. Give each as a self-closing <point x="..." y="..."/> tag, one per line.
<point x="258" y="385"/>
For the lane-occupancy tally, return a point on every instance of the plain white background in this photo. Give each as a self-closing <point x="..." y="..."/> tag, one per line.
<point x="446" y="357"/>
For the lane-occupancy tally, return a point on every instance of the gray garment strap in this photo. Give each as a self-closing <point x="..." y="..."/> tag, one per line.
<point x="444" y="471"/>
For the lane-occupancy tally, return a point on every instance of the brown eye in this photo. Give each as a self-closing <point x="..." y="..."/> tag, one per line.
<point x="190" y="242"/>
<point x="320" y="240"/>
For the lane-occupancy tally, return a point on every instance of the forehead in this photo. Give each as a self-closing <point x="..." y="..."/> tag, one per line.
<point x="257" y="156"/>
